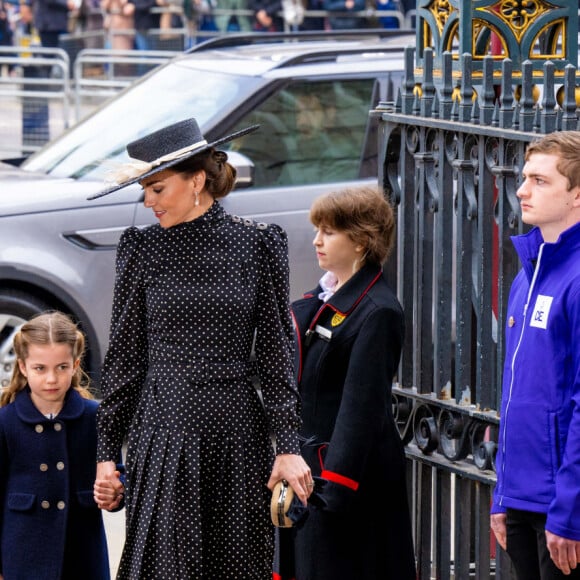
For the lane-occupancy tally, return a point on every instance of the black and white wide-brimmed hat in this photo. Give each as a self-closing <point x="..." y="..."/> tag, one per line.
<point x="161" y="150"/>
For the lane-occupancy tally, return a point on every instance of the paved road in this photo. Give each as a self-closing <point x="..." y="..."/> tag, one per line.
<point x="115" y="528"/>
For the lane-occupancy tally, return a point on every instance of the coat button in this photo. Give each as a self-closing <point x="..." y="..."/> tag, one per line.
<point x="39" y="428"/>
<point x="60" y="505"/>
<point x="43" y="467"/>
<point x="57" y="426"/>
<point x="45" y="504"/>
<point x="60" y="465"/>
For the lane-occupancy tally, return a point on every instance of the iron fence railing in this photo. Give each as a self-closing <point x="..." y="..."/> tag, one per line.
<point x="452" y="154"/>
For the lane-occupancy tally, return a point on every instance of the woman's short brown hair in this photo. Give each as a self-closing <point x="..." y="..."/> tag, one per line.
<point x="364" y="214"/>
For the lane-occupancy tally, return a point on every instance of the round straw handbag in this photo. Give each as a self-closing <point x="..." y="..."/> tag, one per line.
<point x="280" y="504"/>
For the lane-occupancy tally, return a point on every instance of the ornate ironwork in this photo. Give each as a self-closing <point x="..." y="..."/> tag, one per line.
<point x="452" y="154"/>
<point x="523" y="30"/>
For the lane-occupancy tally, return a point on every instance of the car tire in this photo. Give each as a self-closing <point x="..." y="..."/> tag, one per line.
<point x="16" y="307"/>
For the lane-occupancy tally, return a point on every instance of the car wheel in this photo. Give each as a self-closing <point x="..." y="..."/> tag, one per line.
<point x="15" y="309"/>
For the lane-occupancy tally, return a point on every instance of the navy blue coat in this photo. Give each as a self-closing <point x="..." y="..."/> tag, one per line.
<point x="348" y="354"/>
<point x="50" y="525"/>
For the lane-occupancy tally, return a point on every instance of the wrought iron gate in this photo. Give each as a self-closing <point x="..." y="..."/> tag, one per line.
<point x="485" y="78"/>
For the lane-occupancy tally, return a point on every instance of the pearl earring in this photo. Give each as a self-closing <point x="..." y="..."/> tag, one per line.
<point x="196" y="193"/>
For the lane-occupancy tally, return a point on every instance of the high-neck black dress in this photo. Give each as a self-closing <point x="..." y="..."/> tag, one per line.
<point x="178" y="382"/>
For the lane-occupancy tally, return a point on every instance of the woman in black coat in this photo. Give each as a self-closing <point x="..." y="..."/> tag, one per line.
<point x="350" y="332"/>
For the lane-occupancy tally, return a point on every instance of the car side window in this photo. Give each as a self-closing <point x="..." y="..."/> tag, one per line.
<point x="312" y="132"/>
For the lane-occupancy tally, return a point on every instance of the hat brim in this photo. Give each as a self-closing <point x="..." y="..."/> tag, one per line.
<point x="168" y="164"/>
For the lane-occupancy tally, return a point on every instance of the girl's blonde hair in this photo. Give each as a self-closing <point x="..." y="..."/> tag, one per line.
<point x="46" y="329"/>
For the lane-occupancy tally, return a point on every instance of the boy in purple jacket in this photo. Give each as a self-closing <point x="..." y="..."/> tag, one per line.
<point x="536" y="503"/>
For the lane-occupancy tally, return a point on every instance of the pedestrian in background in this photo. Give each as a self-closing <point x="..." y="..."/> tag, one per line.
<point x="200" y="310"/>
<point x="536" y="501"/>
<point x="47" y="21"/>
<point x="6" y="32"/>
<point x="119" y="24"/>
<point x="342" y="15"/>
<point x="144" y="20"/>
<point x="389" y="21"/>
<point x="232" y="22"/>
<point x="92" y="23"/>
<point x="51" y="18"/>
<point x="313" y="22"/>
<point x="51" y="526"/>
<point x="267" y="15"/>
<point x="350" y="332"/>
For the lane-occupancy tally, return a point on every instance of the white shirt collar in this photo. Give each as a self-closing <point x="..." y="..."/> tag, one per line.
<point x="328" y="282"/>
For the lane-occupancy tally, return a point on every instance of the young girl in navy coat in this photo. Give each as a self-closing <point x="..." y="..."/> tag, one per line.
<point x="51" y="527"/>
<point x="350" y="332"/>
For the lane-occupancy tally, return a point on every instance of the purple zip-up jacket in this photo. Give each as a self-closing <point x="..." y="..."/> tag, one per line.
<point x="538" y="457"/>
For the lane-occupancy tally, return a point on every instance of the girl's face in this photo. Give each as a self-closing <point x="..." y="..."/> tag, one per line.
<point x="49" y="370"/>
<point x="172" y="196"/>
<point x="336" y="252"/>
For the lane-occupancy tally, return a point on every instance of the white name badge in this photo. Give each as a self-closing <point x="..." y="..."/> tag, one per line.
<point x="541" y="311"/>
<point x="323" y="332"/>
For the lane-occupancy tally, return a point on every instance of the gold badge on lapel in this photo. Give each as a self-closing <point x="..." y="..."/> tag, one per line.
<point x="337" y="319"/>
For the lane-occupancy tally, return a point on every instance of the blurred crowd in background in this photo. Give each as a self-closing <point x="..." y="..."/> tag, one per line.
<point x="127" y="23"/>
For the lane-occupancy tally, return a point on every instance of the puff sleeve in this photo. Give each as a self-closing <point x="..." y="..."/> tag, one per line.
<point x="275" y="340"/>
<point x="125" y="365"/>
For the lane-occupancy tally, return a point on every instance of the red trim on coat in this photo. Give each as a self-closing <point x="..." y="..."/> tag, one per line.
<point x="345" y="314"/>
<point x="340" y="479"/>
<point x="276" y="576"/>
<point x="299" y="341"/>
<point x="320" y="450"/>
<point x="332" y="476"/>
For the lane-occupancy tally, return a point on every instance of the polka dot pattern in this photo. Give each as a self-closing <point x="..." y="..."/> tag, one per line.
<point x="189" y="303"/>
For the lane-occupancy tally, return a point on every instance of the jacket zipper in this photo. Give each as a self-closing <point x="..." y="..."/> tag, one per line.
<point x="513" y="362"/>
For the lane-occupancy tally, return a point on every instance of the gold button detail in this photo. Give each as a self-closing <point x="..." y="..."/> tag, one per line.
<point x="45" y="504"/>
<point x="511" y="321"/>
<point x="60" y="505"/>
<point x="60" y="465"/>
<point x="57" y="426"/>
<point x="39" y="428"/>
<point x="43" y="467"/>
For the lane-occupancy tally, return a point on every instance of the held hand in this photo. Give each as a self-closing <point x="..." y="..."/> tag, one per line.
<point x="499" y="528"/>
<point x="296" y="472"/>
<point x="565" y="553"/>
<point x="108" y="489"/>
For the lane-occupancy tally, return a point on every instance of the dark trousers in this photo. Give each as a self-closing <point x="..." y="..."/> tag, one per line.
<point x="527" y="549"/>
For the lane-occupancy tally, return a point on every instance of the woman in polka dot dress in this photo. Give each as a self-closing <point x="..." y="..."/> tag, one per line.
<point x="193" y="295"/>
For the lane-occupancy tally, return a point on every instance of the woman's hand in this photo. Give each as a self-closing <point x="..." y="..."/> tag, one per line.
<point x="108" y="490"/>
<point x="296" y="472"/>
